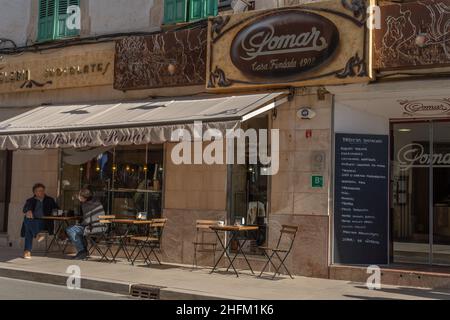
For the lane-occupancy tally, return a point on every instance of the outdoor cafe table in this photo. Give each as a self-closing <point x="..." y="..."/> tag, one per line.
<point x="64" y="222"/>
<point x="122" y="239"/>
<point x="234" y="231"/>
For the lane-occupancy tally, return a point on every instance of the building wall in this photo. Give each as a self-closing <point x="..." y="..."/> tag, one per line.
<point x="19" y="18"/>
<point x="192" y="192"/>
<point x="29" y="167"/>
<point x="293" y="200"/>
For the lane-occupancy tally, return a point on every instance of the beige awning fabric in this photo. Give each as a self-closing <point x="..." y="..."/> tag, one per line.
<point x="126" y="123"/>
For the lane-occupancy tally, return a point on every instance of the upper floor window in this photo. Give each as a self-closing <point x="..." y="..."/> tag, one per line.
<point x="52" y="19"/>
<point x="176" y="11"/>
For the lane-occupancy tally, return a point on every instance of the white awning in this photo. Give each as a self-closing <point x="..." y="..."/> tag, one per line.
<point x="93" y="125"/>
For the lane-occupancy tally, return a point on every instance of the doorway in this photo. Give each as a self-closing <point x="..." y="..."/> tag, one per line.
<point x="5" y="187"/>
<point x="420" y="192"/>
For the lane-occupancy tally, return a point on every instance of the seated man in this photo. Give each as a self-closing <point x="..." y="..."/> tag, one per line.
<point x="35" y="208"/>
<point x="92" y="210"/>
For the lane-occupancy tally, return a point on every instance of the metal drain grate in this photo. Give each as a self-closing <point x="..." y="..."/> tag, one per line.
<point x="144" y="291"/>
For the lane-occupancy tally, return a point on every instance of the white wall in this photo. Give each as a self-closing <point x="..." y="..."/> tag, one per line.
<point x="14" y="17"/>
<point x="108" y="16"/>
<point x="352" y="120"/>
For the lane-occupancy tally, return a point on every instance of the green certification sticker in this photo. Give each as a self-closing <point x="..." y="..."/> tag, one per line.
<point x="317" y="181"/>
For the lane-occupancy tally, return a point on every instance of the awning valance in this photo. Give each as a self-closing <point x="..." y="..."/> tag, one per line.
<point x="93" y="125"/>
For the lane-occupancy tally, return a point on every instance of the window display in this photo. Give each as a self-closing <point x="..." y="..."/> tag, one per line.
<point x="126" y="179"/>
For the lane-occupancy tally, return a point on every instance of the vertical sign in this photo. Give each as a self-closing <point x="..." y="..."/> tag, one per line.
<point x="361" y="199"/>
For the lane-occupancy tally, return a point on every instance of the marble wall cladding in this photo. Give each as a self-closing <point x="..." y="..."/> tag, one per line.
<point x="175" y="58"/>
<point x="309" y="255"/>
<point x="412" y="35"/>
<point x="196" y="186"/>
<point x="29" y="167"/>
<point x="180" y="233"/>
<point x="300" y="141"/>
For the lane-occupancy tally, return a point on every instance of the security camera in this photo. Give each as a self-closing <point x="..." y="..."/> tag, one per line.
<point x="306" y="113"/>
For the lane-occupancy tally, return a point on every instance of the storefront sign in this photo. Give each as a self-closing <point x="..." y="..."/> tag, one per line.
<point x="162" y="60"/>
<point x="412" y="35"/>
<point x="311" y="44"/>
<point x="284" y="44"/>
<point x="426" y="107"/>
<point x="361" y="199"/>
<point x="66" y="68"/>
<point x="413" y="155"/>
<point x="102" y="137"/>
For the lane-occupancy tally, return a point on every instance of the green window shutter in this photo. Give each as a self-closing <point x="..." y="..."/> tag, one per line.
<point x="175" y="11"/>
<point x="211" y="8"/>
<point x="61" y="28"/>
<point x="46" y="21"/>
<point x="196" y="9"/>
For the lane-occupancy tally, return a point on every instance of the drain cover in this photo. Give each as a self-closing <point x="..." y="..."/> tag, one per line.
<point x="145" y="291"/>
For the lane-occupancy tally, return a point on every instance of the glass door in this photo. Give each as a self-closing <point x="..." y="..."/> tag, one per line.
<point x="420" y="185"/>
<point x="410" y="180"/>
<point x="441" y="193"/>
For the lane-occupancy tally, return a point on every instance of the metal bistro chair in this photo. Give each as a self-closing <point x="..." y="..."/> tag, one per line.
<point x="287" y="234"/>
<point x="96" y="240"/>
<point x="205" y="239"/>
<point x="146" y="245"/>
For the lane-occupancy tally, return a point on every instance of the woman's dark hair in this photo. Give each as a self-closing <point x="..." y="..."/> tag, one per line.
<point x="37" y="186"/>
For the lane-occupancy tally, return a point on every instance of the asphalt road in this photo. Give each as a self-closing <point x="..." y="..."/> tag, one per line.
<point x="12" y="289"/>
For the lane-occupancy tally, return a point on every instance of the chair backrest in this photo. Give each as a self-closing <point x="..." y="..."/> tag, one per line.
<point x="204" y="233"/>
<point x="288" y="232"/>
<point x="157" y="226"/>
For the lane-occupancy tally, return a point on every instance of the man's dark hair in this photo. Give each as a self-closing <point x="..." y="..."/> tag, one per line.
<point x="86" y="193"/>
<point x="37" y="186"/>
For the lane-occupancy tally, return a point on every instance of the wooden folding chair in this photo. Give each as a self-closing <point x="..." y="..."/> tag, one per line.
<point x="287" y="234"/>
<point x="146" y="245"/>
<point x="95" y="240"/>
<point x="205" y="239"/>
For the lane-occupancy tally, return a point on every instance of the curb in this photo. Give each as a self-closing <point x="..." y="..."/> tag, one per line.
<point x="117" y="287"/>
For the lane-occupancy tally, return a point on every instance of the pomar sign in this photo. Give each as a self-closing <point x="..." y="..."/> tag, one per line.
<point x="311" y="44"/>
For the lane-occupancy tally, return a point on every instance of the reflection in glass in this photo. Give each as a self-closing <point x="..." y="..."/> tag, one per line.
<point x="126" y="179"/>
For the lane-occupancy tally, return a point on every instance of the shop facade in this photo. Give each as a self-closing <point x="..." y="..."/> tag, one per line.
<point x="354" y="171"/>
<point x="117" y="146"/>
<point x="403" y="218"/>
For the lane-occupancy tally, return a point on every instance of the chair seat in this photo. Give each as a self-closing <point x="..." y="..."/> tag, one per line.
<point x="143" y="238"/>
<point x="273" y="249"/>
<point x="205" y="243"/>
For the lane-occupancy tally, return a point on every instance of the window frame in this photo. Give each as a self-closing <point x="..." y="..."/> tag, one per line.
<point x="55" y="24"/>
<point x="188" y="12"/>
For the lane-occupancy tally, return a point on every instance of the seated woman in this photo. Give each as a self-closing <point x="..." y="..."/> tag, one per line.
<point x="92" y="210"/>
<point x="38" y="206"/>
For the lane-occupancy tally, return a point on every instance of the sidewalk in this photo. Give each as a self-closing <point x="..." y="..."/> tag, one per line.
<point x="181" y="282"/>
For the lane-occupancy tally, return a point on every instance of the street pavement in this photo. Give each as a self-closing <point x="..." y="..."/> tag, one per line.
<point x="12" y="289"/>
<point x="182" y="282"/>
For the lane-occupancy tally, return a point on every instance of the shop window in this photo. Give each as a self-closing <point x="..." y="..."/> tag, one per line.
<point x="126" y="179"/>
<point x="248" y="202"/>
<point x="52" y="19"/>
<point x="177" y="11"/>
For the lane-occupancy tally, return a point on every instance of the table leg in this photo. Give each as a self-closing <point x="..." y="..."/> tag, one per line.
<point x="225" y="252"/>
<point x="55" y="239"/>
<point x="239" y="250"/>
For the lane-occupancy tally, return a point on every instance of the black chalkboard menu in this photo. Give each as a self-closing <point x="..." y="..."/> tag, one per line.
<point x="361" y="199"/>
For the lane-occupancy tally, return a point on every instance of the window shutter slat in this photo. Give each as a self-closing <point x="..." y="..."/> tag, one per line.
<point x="175" y="11"/>
<point x="196" y="9"/>
<point x="62" y="30"/>
<point x="46" y="20"/>
<point x="211" y="8"/>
